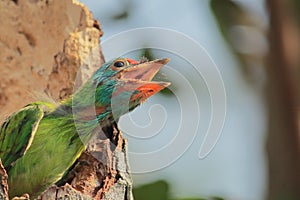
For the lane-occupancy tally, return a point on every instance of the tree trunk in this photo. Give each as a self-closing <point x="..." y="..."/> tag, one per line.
<point x="283" y="136"/>
<point x="46" y="47"/>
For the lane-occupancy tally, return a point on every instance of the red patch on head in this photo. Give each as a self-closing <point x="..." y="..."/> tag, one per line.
<point x="132" y="62"/>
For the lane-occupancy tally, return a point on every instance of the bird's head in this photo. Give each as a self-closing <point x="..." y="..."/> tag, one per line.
<point x="122" y="84"/>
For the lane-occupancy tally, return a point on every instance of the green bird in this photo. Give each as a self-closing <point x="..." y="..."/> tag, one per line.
<point x="40" y="142"/>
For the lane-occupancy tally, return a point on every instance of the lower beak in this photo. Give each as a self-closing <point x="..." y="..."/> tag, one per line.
<point x="150" y="88"/>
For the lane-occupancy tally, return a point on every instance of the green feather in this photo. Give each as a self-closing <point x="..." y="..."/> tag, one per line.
<point x="17" y="133"/>
<point x="26" y="162"/>
<point x="40" y="142"/>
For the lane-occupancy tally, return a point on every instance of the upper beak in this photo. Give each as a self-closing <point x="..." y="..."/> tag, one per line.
<point x="144" y="71"/>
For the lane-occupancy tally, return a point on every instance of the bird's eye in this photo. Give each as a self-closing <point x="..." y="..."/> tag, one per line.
<point x="119" y="64"/>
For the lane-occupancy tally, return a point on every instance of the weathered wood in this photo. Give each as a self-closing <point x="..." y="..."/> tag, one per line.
<point x="3" y="184"/>
<point x="46" y="47"/>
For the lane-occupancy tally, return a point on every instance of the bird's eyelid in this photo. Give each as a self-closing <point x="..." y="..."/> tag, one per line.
<point x="119" y="64"/>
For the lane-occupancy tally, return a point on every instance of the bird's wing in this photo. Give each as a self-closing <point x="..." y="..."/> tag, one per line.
<point x="17" y="133"/>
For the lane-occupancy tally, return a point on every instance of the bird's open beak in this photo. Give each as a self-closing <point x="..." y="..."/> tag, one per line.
<point x="143" y="73"/>
<point x="137" y="79"/>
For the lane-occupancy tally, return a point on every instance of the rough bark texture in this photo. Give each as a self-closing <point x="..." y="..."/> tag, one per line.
<point x="48" y="46"/>
<point x="44" y="46"/>
<point x="3" y="184"/>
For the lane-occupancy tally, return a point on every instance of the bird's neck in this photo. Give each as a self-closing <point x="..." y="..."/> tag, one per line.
<point x="85" y="106"/>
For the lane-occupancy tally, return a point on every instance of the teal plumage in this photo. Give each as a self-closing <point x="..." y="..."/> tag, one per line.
<point x="40" y="142"/>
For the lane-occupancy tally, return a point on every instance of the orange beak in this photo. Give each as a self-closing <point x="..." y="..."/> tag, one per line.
<point x="143" y="73"/>
<point x="138" y="77"/>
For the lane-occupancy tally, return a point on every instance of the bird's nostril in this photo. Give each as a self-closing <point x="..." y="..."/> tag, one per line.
<point x="139" y="76"/>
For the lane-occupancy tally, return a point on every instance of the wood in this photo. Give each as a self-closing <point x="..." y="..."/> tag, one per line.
<point x="283" y="135"/>
<point x="46" y="47"/>
<point x="3" y="184"/>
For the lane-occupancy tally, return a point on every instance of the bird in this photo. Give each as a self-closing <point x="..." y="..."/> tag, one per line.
<point x="41" y="141"/>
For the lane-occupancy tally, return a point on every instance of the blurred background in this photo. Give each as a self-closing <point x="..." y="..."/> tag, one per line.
<point x="255" y="46"/>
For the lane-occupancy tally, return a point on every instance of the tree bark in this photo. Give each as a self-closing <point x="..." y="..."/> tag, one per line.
<point x="46" y="47"/>
<point x="283" y="137"/>
<point x="3" y="184"/>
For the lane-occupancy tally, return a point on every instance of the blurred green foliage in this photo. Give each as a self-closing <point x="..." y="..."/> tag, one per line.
<point x="123" y="15"/>
<point x="124" y="10"/>
<point x="159" y="190"/>
<point x="230" y="14"/>
<point x="146" y="52"/>
<point x="227" y="13"/>
<point x="297" y="8"/>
